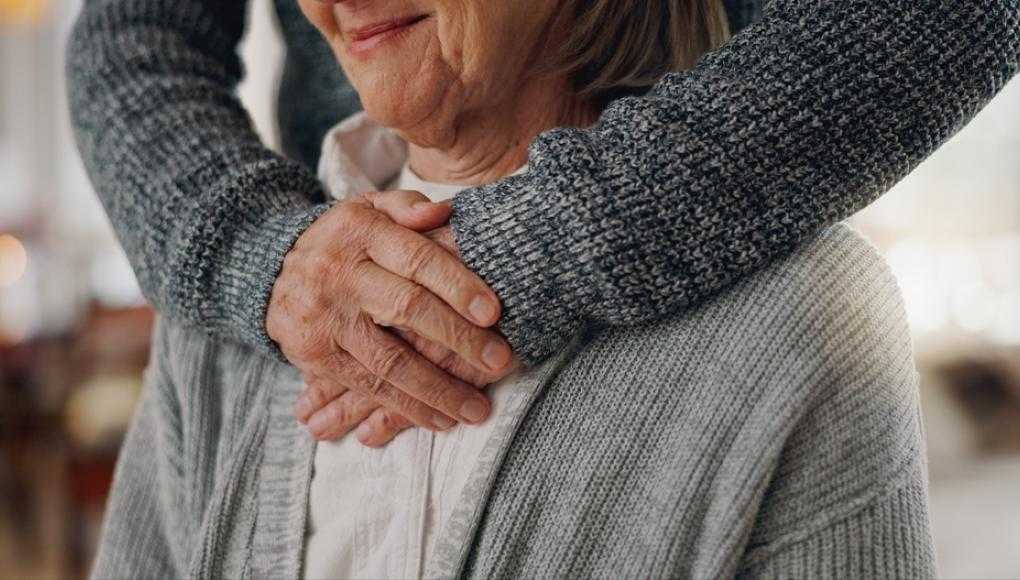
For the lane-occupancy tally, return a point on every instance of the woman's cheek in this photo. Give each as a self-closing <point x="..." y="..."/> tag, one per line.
<point x="495" y="35"/>
<point x="450" y="32"/>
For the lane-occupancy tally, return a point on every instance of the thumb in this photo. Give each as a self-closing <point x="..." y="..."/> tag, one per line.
<point x="410" y="209"/>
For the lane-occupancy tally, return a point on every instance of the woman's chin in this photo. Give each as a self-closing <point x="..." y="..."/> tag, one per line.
<point x="390" y="115"/>
<point x="415" y="116"/>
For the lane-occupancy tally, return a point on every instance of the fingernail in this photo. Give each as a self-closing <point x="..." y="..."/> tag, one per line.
<point x="442" y="422"/>
<point x="421" y="205"/>
<point x="482" y="309"/>
<point x="473" y="410"/>
<point x="364" y="431"/>
<point x="302" y="407"/>
<point x="496" y="355"/>
<point x="318" y="423"/>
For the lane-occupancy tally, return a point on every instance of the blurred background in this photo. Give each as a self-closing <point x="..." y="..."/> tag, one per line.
<point x="74" y="328"/>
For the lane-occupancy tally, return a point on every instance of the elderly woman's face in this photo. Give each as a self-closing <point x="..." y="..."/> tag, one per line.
<point x="420" y="64"/>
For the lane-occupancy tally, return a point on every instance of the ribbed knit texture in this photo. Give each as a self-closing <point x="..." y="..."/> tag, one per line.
<point x="774" y="432"/>
<point x="798" y="122"/>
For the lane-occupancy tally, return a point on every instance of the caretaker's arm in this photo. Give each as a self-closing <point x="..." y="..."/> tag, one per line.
<point x="206" y="214"/>
<point x="203" y="210"/>
<point x="798" y="122"/>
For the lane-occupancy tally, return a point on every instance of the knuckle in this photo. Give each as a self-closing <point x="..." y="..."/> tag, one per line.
<point x="389" y="360"/>
<point x="376" y="387"/>
<point x="317" y="262"/>
<point x="369" y="223"/>
<point x="397" y="402"/>
<point x="355" y="221"/>
<point x="344" y="213"/>
<point x="442" y="395"/>
<point x="338" y="275"/>
<point x="400" y="402"/>
<point x="356" y="330"/>
<point x="339" y="414"/>
<point x="317" y="396"/>
<point x="461" y="334"/>
<point x="408" y="303"/>
<point x="340" y="278"/>
<point x="335" y="365"/>
<point x="419" y="257"/>
<point x="447" y="360"/>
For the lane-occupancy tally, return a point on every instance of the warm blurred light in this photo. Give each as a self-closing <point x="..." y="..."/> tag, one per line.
<point x="13" y="260"/>
<point x="14" y="12"/>
<point x="969" y="285"/>
<point x="99" y="412"/>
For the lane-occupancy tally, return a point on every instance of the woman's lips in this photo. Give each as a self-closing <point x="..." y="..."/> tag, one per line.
<point x="364" y="39"/>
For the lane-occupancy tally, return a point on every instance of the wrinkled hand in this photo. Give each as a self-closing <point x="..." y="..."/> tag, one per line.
<point x="357" y="270"/>
<point x="332" y="415"/>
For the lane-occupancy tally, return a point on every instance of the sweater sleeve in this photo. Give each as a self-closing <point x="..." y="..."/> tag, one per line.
<point x="204" y="211"/>
<point x="798" y="122"/>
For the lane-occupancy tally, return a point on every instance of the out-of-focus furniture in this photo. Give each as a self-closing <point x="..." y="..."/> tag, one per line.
<point x="111" y="350"/>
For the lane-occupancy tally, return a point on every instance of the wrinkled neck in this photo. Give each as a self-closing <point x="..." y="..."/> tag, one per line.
<point x="492" y="143"/>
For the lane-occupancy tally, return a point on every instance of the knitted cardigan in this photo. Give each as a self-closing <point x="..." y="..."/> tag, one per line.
<point x="801" y="119"/>
<point x="773" y="433"/>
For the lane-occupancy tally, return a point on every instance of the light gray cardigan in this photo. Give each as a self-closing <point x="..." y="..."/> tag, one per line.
<point x="774" y="432"/>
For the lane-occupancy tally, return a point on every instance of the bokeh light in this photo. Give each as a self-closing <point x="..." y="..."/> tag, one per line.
<point x="13" y="12"/>
<point x="13" y="260"/>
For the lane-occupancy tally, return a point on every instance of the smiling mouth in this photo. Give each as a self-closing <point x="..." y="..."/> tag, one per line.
<point x="366" y="38"/>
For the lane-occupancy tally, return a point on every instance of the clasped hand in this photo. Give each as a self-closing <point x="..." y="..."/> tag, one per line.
<point x="387" y="326"/>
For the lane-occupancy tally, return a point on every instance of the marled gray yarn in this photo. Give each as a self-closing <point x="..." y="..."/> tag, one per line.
<point x="773" y="433"/>
<point x="802" y="119"/>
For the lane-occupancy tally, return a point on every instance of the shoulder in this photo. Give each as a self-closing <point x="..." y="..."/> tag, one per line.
<point x="829" y="309"/>
<point x="810" y="360"/>
<point x="805" y="366"/>
<point x="818" y="346"/>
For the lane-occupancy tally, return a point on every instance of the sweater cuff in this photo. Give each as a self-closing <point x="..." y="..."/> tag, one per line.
<point x="246" y="278"/>
<point x="520" y="236"/>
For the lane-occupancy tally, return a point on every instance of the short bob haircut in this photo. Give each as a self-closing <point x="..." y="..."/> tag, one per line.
<point x="616" y="48"/>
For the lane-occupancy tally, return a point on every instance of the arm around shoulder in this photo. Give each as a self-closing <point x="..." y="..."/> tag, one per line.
<point x="203" y="210"/>
<point x="799" y="121"/>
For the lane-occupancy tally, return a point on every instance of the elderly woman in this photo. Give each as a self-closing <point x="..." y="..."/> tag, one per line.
<point x="772" y="432"/>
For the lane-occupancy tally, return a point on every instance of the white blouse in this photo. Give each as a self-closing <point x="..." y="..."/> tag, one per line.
<point x="376" y="513"/>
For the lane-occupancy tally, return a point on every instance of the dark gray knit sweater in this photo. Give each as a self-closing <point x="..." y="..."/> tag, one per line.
<point x="802" y="119"/>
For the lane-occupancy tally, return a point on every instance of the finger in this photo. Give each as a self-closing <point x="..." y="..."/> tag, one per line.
<point x="316" y="395"/>
<point x="381" y="427"/>
<point x="393" y="360"/>
<point x="449" y="361"/>
<point x="444" y="237"/>
<point x="394" y="301"/>
<point x="340" y="415"/>
<point x="345" y="369"/>
<point x="410" y="209"/>
<point x="414" y="257"/>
